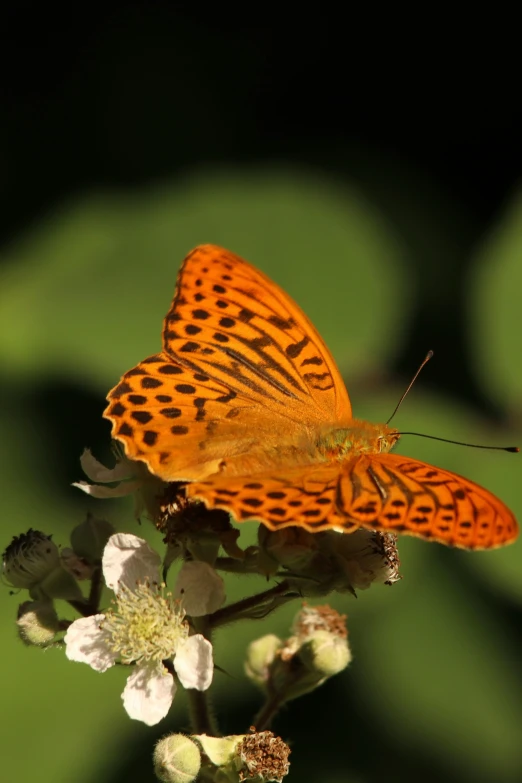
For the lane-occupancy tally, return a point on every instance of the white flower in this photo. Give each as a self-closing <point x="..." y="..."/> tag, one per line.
<point x="129" y="477"/>
<point x="200" y="588"/>
<point x="146" y="627"/>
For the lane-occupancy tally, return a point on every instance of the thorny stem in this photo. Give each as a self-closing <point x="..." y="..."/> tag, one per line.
<point x="266" y="714"/>
<point x="92" y="604"/>
<point x="234" y="566"/>
<point x="269" y="599"/>
<point x="96" y="588"/>
<point x="202" y="718"/>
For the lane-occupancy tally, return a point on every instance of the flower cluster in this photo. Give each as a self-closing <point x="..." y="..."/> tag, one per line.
<point x="164" y="635"/>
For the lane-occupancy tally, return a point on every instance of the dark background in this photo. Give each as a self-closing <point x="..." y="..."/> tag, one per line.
<point x="121" y="96"/>
<point x="120" y="100"/>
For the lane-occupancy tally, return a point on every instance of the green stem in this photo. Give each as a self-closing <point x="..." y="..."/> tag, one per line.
<point x="266" y="714"/>
<point x="96" y="588"/>
<point x="202" y="719"/>
<point x="232" y="565"/>
<point x="92" y="604"/>
<point x="268" y="600"/>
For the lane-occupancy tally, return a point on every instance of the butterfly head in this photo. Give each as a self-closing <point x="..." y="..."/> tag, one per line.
<point x="387" y="437"/>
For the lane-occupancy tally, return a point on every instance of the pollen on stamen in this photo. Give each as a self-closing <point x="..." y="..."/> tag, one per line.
<point x="145" y="624"/>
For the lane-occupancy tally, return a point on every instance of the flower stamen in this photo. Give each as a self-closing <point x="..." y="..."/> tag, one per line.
<point x="145" y="624"/>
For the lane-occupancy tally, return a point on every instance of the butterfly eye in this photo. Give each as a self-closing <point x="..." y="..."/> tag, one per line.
<point x="385" y="443"/>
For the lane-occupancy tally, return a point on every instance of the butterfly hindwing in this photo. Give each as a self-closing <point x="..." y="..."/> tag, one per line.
<point x="402" y="495"/>
<point x="384" y="492"/>
<point x="303" y="495"/>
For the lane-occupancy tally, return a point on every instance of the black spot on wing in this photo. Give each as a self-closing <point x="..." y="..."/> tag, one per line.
<point x="143" y="417"/>
<point x="137" y="399"/>
<point x="150" y="383"/>
<point x="170" y="369"/>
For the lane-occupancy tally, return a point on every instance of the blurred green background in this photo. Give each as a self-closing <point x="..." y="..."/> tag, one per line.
<point x="395" y="220"/>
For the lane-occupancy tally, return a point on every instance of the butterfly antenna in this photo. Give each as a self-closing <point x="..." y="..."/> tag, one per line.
<point x="513" y="449"/>
<point x="428" y="356"/>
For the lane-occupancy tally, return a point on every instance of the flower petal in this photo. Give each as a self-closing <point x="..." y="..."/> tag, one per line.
<point x="87" y="642"/>
<point x="98" y="472"/>
<point x="128" y="559"/>
<point x="200" y="587"/>
<point x="100" y="491"/>
<point x="148" y="693"/>
<point x="194" y="664"/>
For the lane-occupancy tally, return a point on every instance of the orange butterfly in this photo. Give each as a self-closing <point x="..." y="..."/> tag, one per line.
<point x="246" y="404"/>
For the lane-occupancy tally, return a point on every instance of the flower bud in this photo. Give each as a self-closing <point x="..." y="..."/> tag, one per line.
<point x="88" y="539"/>
<point x="29" y="558"/>
<point x="200" y="588"/>
<point x="32" y="562"/>
<point x="325" y="654"/>
<point x="317" y="649"/>
<point x="260" y="656"/>
<point x="176" y="759"/>
<point x="37" y="623"/>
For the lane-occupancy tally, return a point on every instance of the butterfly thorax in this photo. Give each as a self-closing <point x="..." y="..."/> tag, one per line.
<point x="359" y="437"/>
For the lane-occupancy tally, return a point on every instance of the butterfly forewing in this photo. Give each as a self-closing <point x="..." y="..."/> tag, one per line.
<point x="180" y="422"/>
<point x="231" y="322"/>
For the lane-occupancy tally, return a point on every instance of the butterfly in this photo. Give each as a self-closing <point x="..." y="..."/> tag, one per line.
<point x="246" y="405"/>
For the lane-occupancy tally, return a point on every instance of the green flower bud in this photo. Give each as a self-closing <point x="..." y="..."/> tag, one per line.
<point x="88" y="539"/>
<point x="29" y="558"/>
<point x="325" y="654"/>
<point x="260" y="656"/>
<point x="37" y="623"/>
<point x="32" y="562"/>
<point x="318" y="649"/>
<point x="176" y="759"/>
